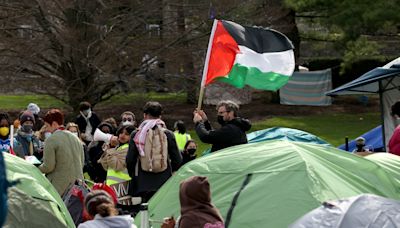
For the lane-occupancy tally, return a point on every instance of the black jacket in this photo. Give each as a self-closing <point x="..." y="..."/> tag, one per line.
<point x="148" y="181"/>
<point x="230" y="134"/>
<point x="81" y="122"/>
<point x="95" y="169"/>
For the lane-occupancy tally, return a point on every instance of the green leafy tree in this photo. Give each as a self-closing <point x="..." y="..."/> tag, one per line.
<point x="351" y="24"/>
<point x="353" y="18"/>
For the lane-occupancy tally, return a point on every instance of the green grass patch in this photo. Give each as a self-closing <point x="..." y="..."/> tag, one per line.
<point x="20" y="102"/>
<point x="331" y="128"/>
<point x="127" y="99"/>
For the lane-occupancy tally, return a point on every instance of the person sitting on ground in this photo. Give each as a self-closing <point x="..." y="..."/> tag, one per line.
<point x="87" y="121"/>
<point x="361" y="149"/>
<point x="100" y="205"/>
<point x="233" y="128"/>
<point x="360" y="145"/>
<point x="394" y="142"/>
<point x="181" y="136"/>
<point x="189" y="152"/>
<point x="128" y="119"/>
<point x="197" y="211"/>
<point x="5" y="122"/>
<point x="25" y="142"/>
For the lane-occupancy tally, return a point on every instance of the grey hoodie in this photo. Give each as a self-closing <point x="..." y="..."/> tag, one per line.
<point x="119" y="221"/>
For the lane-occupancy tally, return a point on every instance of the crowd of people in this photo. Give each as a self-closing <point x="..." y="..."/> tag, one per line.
<point x="135" y="160"/>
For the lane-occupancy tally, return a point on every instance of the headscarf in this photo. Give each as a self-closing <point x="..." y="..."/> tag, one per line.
<point x="196" y="207"/>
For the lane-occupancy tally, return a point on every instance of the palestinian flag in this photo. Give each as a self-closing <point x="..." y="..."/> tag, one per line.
<point x="239" y="55"/>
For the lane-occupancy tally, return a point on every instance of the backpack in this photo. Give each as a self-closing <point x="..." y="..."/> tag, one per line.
<point x="155" y="157"/>
<point x="74" y="198"/>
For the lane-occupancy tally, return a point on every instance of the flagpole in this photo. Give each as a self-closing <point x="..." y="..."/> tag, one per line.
<point x="205" y="69"/>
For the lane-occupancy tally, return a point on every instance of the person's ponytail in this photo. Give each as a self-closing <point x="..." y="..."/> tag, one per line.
<point x="106" y="209"/>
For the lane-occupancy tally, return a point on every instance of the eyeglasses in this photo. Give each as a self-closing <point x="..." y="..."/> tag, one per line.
<point x="220" y="113"/>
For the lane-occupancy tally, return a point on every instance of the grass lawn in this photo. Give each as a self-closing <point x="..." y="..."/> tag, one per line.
<point x="20" y="102"/>
<point x="332" y="128"/>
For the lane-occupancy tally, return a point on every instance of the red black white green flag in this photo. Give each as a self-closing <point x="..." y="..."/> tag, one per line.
<point x="240" y="55"/>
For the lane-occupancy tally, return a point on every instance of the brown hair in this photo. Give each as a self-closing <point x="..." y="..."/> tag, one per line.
<point x="54" y="115"/>
<point x="84" y="105"/>
<point x="100" y="202"/>
<point x="229" y="106"/>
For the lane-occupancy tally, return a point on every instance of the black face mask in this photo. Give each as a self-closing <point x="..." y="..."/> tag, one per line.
<point x="26" y="128"/>
<point x="191" y="151"/>
<point x="360" y="148"/>
<point x="221" y="120"/>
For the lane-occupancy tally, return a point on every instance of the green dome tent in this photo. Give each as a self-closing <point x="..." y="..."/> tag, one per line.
<point x="390" y="162"/>
<point x="275" y="182"/>
<point x="34" y="198"/>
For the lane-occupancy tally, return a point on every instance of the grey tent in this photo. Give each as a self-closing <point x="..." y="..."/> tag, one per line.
<point x="384" y="81"/>
<point x="365" y="210"/>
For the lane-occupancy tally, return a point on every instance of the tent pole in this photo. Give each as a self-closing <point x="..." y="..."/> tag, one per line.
<point x="382" y="114"/>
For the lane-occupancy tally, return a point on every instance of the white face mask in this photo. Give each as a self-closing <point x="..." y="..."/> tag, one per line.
<point x="127" y="123"/>
<point x="75" y="133"/>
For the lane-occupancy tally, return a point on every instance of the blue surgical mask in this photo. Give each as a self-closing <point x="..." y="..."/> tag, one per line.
<point x="86" y="112"/>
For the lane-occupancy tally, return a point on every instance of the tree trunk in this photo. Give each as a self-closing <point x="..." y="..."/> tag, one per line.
<point x="186" y="59"/>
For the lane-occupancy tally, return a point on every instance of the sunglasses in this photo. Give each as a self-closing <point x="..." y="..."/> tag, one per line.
<point x="127" y="119"/>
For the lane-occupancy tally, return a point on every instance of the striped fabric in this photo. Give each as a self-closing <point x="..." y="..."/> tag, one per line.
<point x="307" y="88"/>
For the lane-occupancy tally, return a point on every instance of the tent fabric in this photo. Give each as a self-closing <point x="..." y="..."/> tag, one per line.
<point x="365" y="210"/>
<point x="307" y="88"/>
<point x="25" y="211"/>
<point x="367" y="83"/>
<point x="373" y="140"/>
<point x="390" y="162"/>
<point x="283" y="133"/>
<point x="382" y="80"/>
<point x="288" y="180"/>
<point x="33" y="183"/>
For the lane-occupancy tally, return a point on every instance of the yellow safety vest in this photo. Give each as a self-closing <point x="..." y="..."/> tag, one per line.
<point x="116" y="177"/>
<point x="181" y="139"/>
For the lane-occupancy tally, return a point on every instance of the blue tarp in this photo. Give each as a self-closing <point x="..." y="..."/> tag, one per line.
<point x="368" y="82"/>
<point x="284" y="133"/>
<point x="373" y="139"/>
